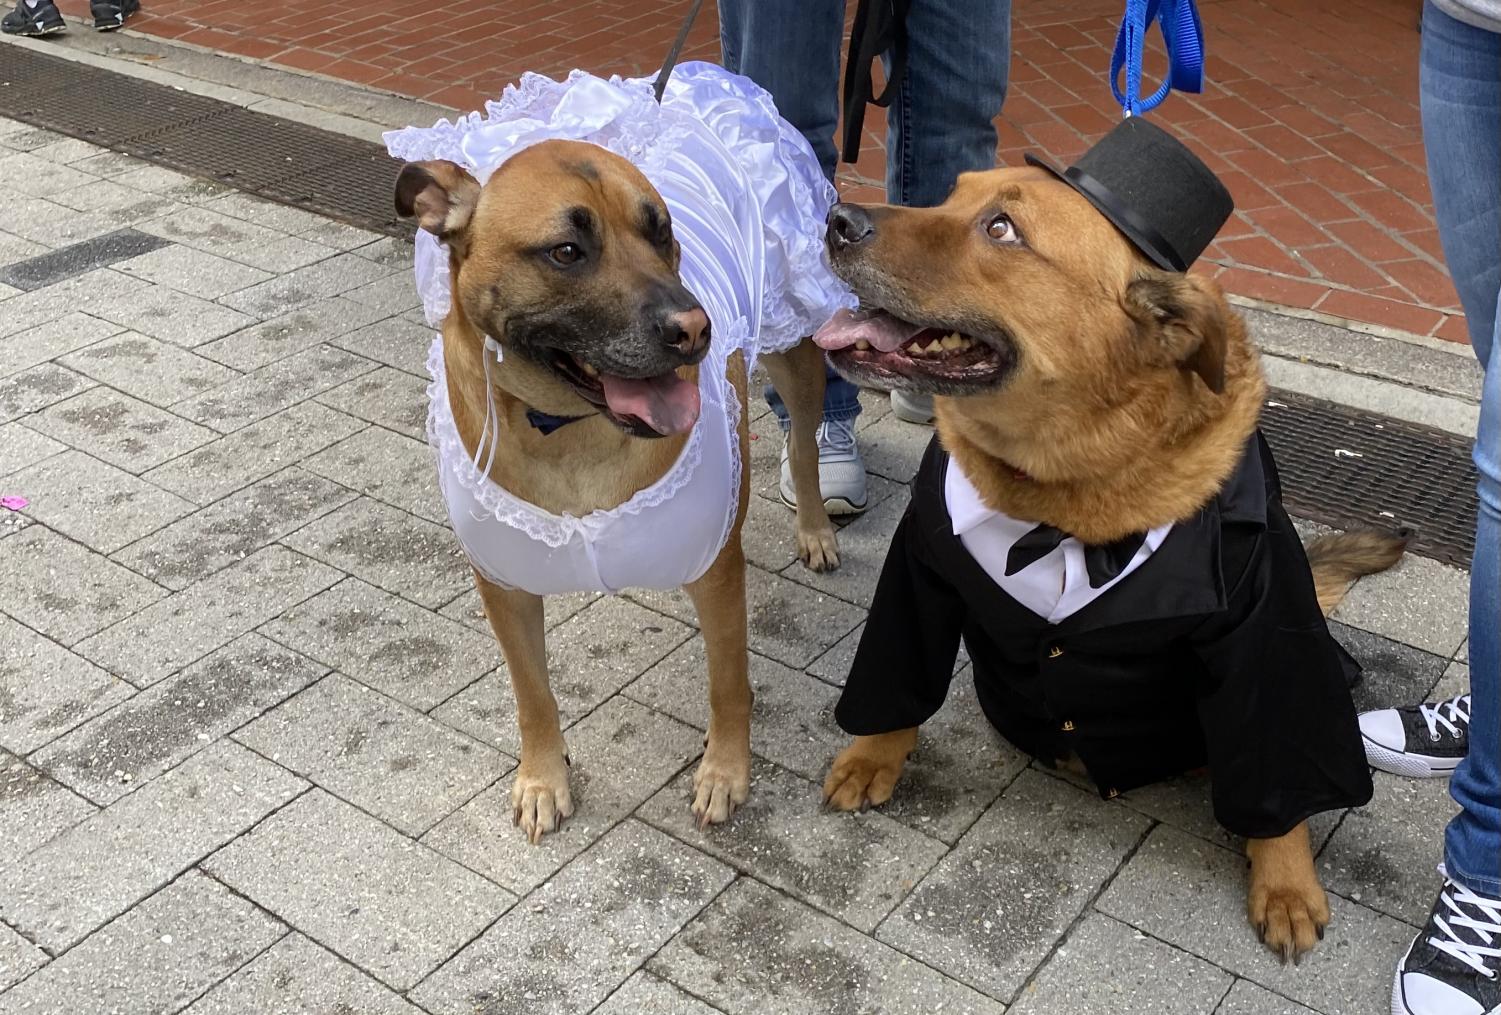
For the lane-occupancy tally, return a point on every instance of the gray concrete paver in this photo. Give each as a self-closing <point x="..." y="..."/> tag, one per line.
<point x="359" y="888"/>
<point x="188" y="625"/>
<point x="38" y="387"/>
<point x="94" y="502"/>
<point x="257" y="451"/>
<point x="19" y="958"/>
<point x="1384" y="855"/>
<point x="572" y="942"/>
<point x="290" y="332"/>
<point x="622" y="753"/>
<point x="1420" y="602"/>
<point x="989" y="913"/>
<point x="152" y="960"/>
<point x="45" y="690"/>
<point x="272" y="388"/>
<point x="65" y="590"/>
<point x="387" y="466"/>
<point x="137" y="740"/>
<point x="33" y="808"/>
<point x="755" y="951"/>
<point x="397" y="764"/>
<point x="391" y="398"/>
<point x="856" y="867"/>
<point x="390" y="549"/>
<point x="231" y="529"/>
<point x="148" y="368"/>
<point x="1106" y="967"/>
<point x="1191" y="894"/>
<point x="120" y="430"/>
<point x="645" y="994"/>
<point x="295" y="976"/>
<point x="387" y="643"/>
<point x="94" y="871"/>
<point x="590" y="657"/>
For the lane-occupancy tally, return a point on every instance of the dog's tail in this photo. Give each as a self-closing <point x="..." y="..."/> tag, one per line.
<point x="1339" y="559"/>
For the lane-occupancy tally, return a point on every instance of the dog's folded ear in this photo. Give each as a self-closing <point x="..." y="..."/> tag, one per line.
<point x="1186" y="316"/>
<point x="441" y="195"/>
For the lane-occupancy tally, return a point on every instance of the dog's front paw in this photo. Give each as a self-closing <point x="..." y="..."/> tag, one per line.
<point x="721" y="783"/>
<point x="1289" y="914"/>
<point x="818" y="548"/>
<point x="539" y="797"/>
<point x="865" y="772"/>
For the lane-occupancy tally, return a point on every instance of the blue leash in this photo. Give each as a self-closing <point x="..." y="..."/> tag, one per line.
<point x="1185" y="50"/>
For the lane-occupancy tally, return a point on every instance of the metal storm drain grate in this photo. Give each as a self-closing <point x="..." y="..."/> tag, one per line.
<point x="317" y="170"/>
<point x="1339" y="466"/>
<point x="1354" y="469"/>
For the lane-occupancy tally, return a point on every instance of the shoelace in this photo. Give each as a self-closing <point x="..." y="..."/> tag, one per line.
<point x="836" y="437"/>
<point x="1462" y="903"/>
<point x="1459" y="710"/>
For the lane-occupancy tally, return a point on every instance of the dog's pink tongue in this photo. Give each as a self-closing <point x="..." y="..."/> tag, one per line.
<point x="883" y="331"/>
<point x="666" y="403"/>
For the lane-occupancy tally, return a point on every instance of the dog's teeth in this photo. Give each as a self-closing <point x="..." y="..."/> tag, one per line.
<point x="862" y="345"/>
<point x="953" y="341"/>
<point x="935" y="346"/>
<point x="588" y="370"/>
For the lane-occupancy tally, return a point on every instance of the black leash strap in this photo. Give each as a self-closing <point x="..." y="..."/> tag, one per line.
<point x="880" y="25"/>
<point x="677" y="48"/>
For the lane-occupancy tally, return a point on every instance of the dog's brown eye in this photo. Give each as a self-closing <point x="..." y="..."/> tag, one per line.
<point x="566" y="254"/>
<point x="1002" y="230"/>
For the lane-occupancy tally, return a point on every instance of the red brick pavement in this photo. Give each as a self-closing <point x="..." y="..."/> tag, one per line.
<point x="1310" y="114"/>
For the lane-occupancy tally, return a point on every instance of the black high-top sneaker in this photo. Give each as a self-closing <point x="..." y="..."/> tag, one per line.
<point x="43" y="19"/>
<point x="1454" y="965"/>
<point x="1426" y="741"/>
<point x="111" y="14"/>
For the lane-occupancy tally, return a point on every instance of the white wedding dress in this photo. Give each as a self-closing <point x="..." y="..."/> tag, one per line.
<point x="748" y="202"/>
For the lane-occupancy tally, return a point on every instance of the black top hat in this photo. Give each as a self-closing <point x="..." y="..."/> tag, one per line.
<point x="1153" y="188"/>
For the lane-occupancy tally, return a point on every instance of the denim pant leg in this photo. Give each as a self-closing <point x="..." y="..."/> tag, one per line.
<point x="942" y="121"/>
<point x="1460" y="85"/>
<point x="791" y="49"/>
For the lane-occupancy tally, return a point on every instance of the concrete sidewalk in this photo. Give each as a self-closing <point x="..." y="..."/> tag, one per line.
<point x="255" y="737"/>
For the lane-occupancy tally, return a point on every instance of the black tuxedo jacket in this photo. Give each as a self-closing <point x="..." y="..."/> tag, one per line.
<point x="1214" y="652"/>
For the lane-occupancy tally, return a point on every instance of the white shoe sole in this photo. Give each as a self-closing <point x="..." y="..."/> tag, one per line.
<point x="835" y="506"/>
<point x="1411" y="766"/>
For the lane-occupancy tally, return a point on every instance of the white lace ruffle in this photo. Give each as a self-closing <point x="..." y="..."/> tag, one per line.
<point x="772" y="161"/>
<point x="554" y="529"/>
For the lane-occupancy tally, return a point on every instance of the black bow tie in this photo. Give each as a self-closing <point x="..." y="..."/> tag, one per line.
<point x="1104" y="562"/>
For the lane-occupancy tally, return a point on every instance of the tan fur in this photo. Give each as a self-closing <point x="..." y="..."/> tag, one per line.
<point x="1337" y="560"/>
<point x="1133" y="395"/>
<point x="492" y="233"/>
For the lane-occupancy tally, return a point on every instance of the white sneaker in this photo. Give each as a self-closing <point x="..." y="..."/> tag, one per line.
<point x="912" y="407"/>
<point x="1425" y="741"/>
<point x="841" y="473"/>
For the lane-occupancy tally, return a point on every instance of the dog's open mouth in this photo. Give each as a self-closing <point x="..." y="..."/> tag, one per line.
<point x="642" y="406"/>
<point x="876" y="343"/>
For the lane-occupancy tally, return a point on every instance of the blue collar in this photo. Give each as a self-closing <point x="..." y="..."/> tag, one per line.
<point x="546" y="424"/>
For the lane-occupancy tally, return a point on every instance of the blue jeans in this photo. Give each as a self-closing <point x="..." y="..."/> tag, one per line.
<point x="940" y="124"/>
<point x="1461" y="101"/>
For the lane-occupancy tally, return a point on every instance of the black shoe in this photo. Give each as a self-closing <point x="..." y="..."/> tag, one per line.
<point x="43" y="19"/>
<point x="110" y="15"/>
<point x="1425" y="741"/>
<point x="1454" y="966"/>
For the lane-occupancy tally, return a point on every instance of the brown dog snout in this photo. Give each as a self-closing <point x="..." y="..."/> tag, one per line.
<point x="687" y="331"/>
<point x="849" y="225"/>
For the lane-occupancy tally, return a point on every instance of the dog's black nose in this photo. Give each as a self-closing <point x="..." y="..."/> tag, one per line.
<point x="687" y="331"/>
<point x="849" y="224"/>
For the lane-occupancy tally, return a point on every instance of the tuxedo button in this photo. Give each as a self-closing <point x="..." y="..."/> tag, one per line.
<point x="1112" y="793"/>
<point x="1055" y="652"/>
<point x="1068" y="726"/>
